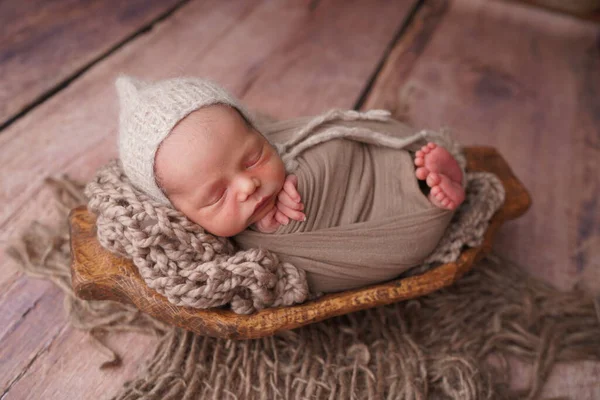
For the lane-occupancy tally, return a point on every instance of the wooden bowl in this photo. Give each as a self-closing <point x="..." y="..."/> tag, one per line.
<point x="98" y="274"/>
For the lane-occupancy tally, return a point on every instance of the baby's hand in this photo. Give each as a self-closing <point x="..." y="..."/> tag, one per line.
<point x="288" y="206"/>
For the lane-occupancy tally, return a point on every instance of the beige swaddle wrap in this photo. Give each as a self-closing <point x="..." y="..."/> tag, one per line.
<point x="367" y="219"/>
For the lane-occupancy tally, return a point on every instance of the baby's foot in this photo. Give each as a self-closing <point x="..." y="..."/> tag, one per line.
<point x="443" y="175"/>
<point x="445" y="193"/>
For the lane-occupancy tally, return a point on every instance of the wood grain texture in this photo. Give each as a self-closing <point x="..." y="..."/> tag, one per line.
<point x="257" y="50"/>
<point x="525" y="81"/>
<point x="99" y="275"/>
<point x="30" y="332"/>
<point x="42" y="43"/>
<point x="72" y="372"/>
<point x="586" y="9"/>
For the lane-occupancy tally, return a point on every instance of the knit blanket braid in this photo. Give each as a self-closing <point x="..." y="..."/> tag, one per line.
<point x="180" y="260"/>
<point x="190" y="267"/>
<point x="484" y="194"/>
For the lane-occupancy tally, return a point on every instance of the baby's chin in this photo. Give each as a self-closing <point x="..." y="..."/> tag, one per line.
<point x="226" y="232"/>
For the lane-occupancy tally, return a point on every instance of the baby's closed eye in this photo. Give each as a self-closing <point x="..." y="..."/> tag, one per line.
<point x="254" y="159"/>
<point x="214" y="199"/>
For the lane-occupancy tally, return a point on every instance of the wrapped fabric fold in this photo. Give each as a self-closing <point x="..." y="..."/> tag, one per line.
<point x="367" y="219"/>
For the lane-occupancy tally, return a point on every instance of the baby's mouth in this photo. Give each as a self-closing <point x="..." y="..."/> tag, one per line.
<point x="261" y="205"/>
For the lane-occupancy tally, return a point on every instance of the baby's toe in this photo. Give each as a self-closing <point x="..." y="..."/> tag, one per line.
<point x="431" y="145"/>
<point x="422" y="173"/>
<point x="435" y="190"/>
<point x="419" y="161"/>
<point x="433" y="179"/>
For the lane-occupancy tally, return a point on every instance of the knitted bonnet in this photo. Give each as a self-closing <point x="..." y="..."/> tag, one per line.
<point x="148" y="113"/>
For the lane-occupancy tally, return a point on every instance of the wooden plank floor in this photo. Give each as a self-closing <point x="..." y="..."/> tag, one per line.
<point x="519" y="78"/>
<point x="43" y="43"/>
<point x="317" y="55"/>
<point x="526" y="81"/>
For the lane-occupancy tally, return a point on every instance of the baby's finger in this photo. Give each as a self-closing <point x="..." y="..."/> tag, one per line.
<point x="281" y="218"/>
<point x="268" y="224"/>
<point x="290" y="187"/>
<point x="267" y="227"/>
<point x="285" y="198"/>
<point x="270" y="217"/>
<point x="288" y="212"/>
<point x="292" y="178"/>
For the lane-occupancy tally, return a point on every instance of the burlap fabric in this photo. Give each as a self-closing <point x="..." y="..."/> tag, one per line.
<point x="452" y="344"/>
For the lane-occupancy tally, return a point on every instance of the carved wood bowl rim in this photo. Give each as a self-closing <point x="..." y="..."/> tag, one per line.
<point x="119" y="280"/>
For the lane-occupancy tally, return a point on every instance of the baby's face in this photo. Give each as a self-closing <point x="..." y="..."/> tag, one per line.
<point x="218" y="171"/>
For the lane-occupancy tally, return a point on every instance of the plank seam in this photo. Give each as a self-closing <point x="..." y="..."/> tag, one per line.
<point x="23" y="316"/>
<point x="78" y="72"/>
<point x="46" y="347"/>
<point x="395" y="39"/>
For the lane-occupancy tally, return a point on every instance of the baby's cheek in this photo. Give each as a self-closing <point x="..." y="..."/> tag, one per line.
<point x="233" y="217"/>
<point x="277" y="173"/>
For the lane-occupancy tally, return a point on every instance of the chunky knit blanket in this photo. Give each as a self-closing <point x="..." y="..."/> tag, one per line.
<point x="191" y="267"/>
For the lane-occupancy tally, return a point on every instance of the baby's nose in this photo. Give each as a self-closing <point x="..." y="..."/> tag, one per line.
<point x="247" y="187"/>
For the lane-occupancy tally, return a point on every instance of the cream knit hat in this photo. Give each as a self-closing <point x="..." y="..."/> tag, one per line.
<point x="149" y="111"/>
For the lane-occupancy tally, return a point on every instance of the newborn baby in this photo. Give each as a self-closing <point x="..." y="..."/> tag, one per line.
<point x="218" y="170"/>
<point x="189" y="144"/>
<point x="227" y="176"/>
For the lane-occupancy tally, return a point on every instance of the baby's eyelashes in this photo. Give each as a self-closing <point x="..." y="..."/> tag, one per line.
<point x="254" y="160"/>
<point x="215" y="199"/>
<point x="256" y="156"/>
